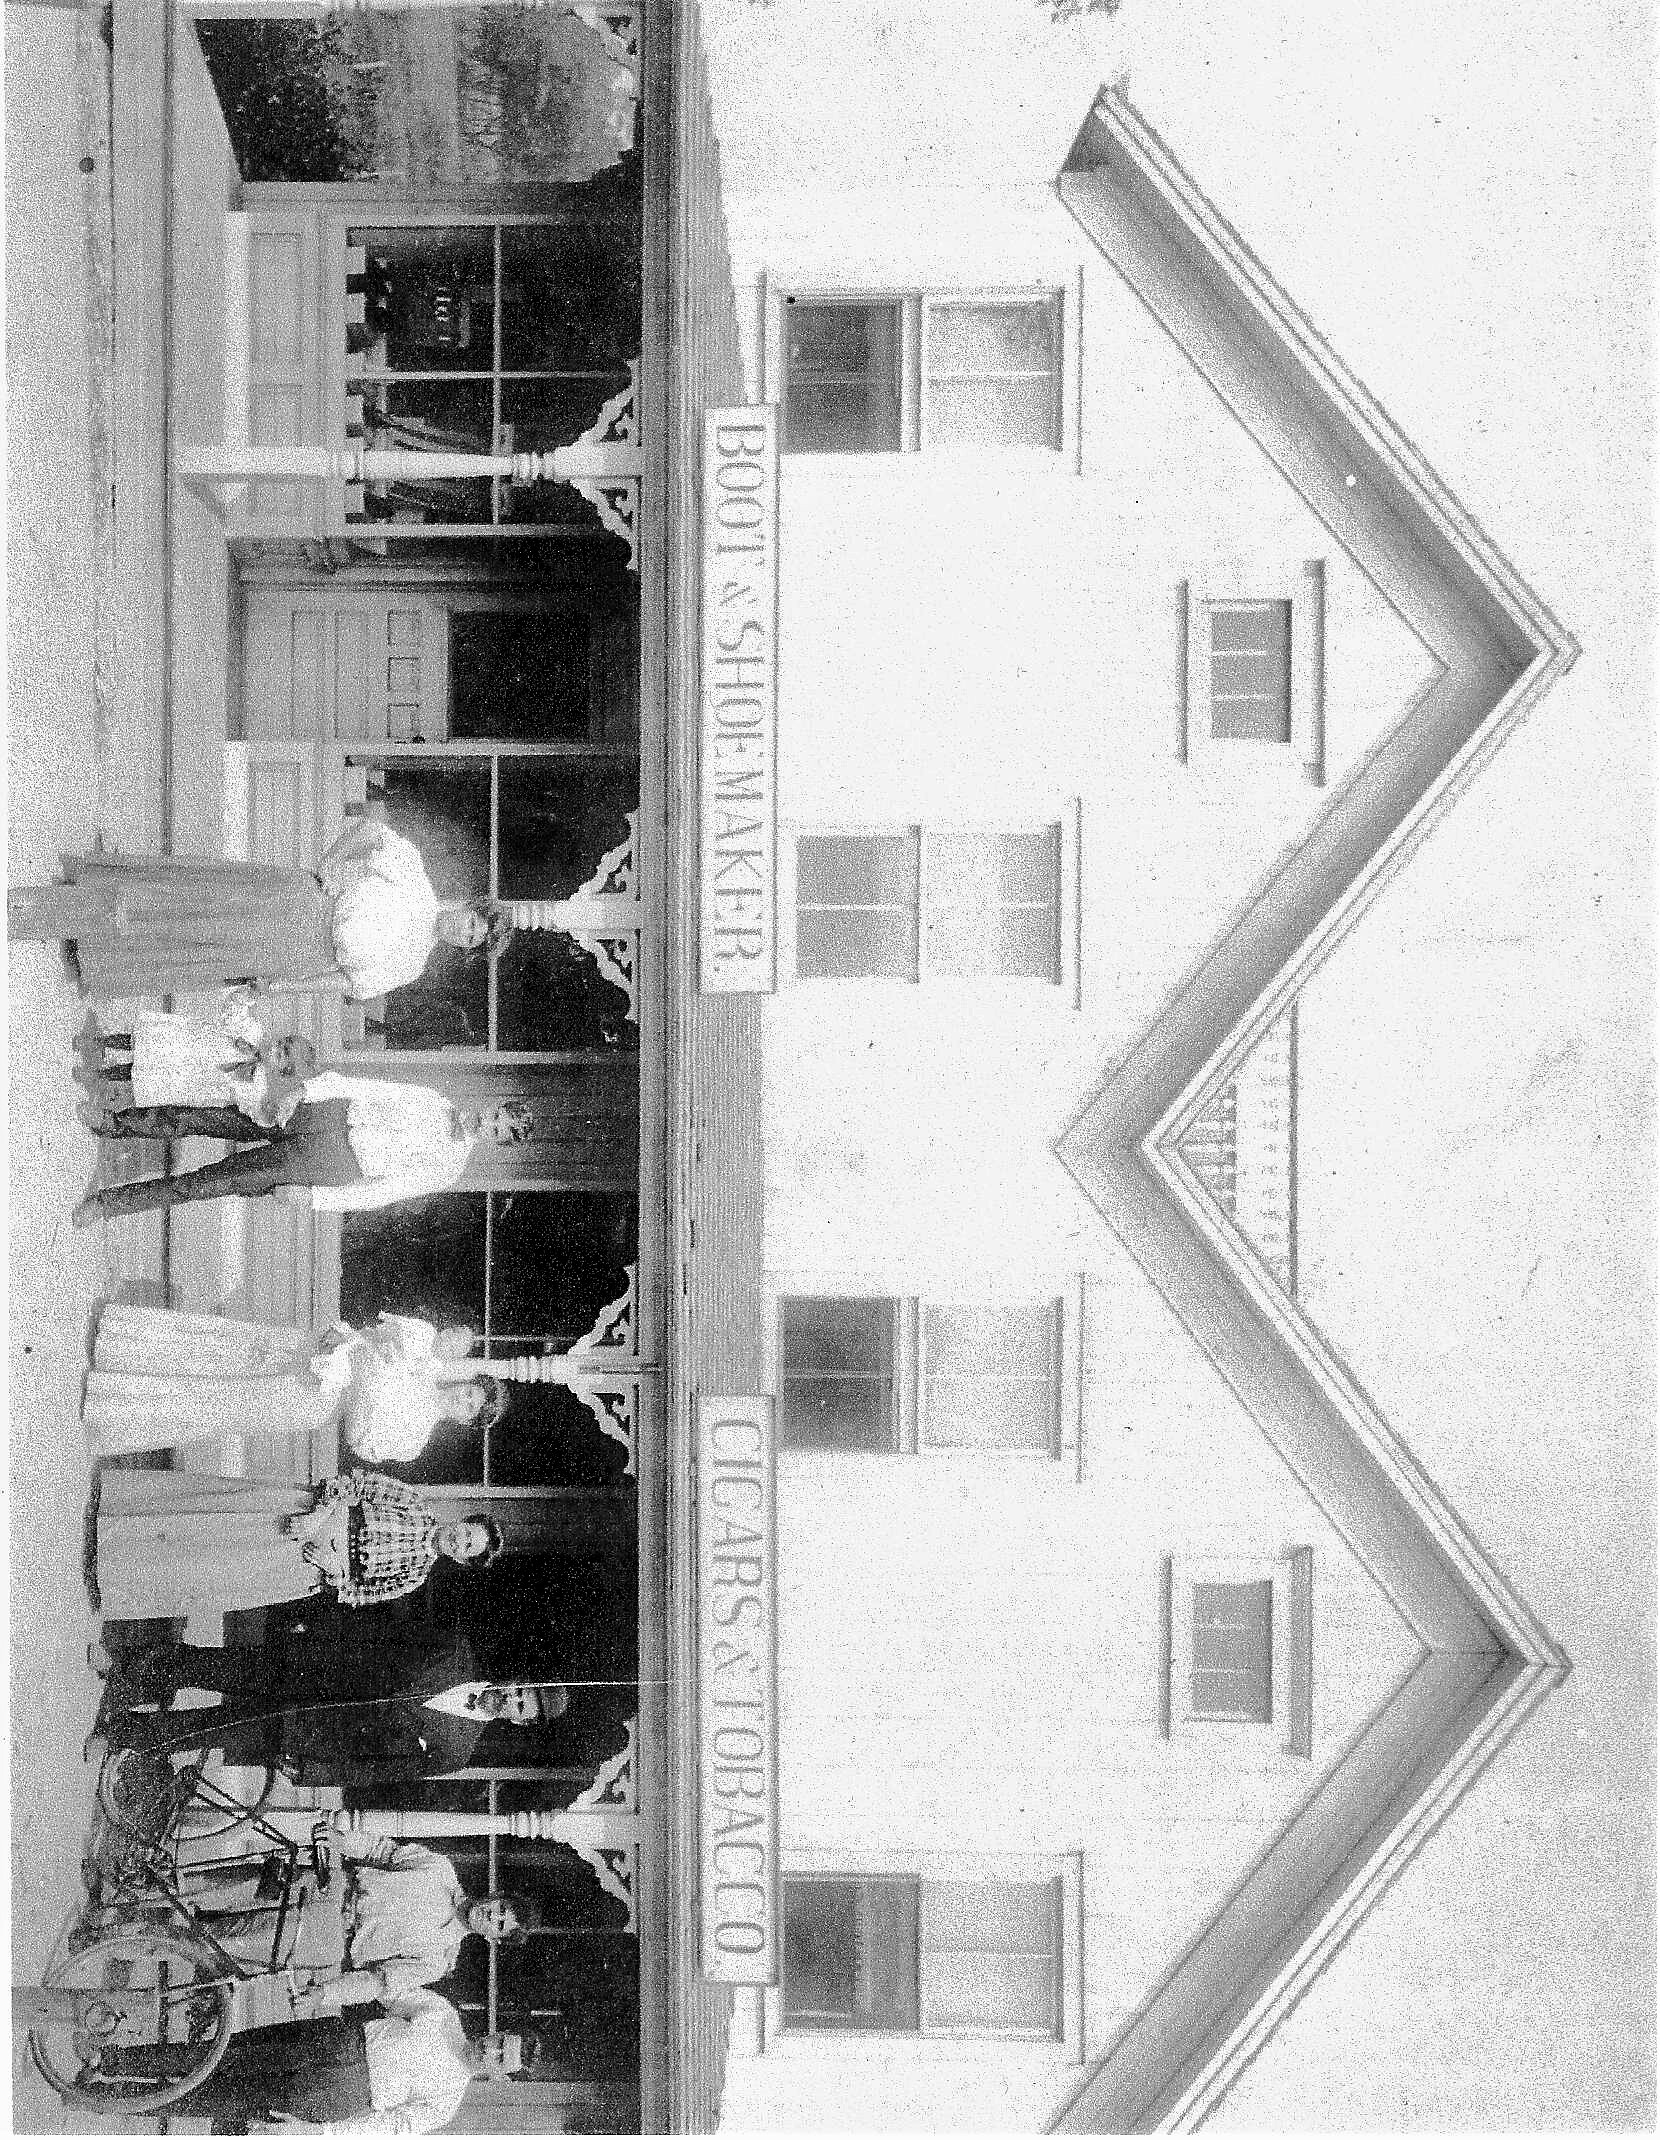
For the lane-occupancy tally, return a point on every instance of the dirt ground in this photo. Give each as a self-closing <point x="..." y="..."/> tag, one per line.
<point x="54" y="764"/>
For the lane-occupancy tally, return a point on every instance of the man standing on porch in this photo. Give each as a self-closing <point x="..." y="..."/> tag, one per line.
<point x="353" y="1144"/>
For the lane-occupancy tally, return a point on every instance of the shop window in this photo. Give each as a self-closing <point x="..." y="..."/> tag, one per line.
<point x="895" y="374"/>
<point x="928" y="903"/>
<point x="482" y="337"/>
<point x="930" y="1957"/>
<point x="527" y="1271"/>
<point x="505" y="825"/>
<point x="883" y="1375"/>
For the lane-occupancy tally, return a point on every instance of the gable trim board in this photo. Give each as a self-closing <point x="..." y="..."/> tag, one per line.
<point x="1485" y="1660"/>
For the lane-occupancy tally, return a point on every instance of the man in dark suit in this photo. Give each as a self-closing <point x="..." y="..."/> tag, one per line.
<point x="327" y="1700"/>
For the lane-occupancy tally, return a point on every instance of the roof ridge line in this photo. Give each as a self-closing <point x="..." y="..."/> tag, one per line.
<point x="1521" y="1632"/>
<point x="1258" y="284"/>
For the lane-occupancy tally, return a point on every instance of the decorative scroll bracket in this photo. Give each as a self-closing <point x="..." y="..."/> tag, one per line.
<point x="616" y="1786"/>
<point x="602" y="916"/>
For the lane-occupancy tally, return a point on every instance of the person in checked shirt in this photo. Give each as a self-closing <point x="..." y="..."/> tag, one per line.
<point x="352" y="1144"/>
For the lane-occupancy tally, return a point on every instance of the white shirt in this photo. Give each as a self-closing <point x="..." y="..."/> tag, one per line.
<point x="418" y="2069"/>
<point x="385" y="918"/>
<point x="407" y="1139"/>
<point x="460" y="1701"/>
<point x="408" y="1917"/>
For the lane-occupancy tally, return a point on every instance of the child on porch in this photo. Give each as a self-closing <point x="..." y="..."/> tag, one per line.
<point x="171" y="1059"/>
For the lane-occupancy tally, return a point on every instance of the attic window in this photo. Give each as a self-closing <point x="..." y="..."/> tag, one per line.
<point x="1238" y="1650"/>
<point x="1250" y="671"/>
<point x="1254" y="656"/>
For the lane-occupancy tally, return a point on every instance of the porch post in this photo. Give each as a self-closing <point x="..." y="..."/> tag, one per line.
<point x="607" y="1843"/>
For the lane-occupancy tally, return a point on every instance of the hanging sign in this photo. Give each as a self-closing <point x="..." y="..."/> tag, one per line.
<point x="737" y="1690"/>
<point x="738" y="787"/>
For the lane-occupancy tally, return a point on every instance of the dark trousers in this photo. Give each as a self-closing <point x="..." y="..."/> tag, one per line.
<point x="318" y="2070"/>
<point x="311" y="1150"/>
<point x="241" y="1726"/>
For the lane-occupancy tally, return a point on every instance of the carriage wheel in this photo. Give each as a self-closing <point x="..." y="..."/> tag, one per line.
<point x="155" y="2052"/>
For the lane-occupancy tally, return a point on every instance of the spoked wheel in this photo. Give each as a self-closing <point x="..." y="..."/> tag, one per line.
<point x="133" y="2022"/>
<point x="150" y="1800"/>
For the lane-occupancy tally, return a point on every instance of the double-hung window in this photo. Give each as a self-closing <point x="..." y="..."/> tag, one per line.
<point x="907" y="372"/>
<point x="923" y="903"/>
<point x="885" y="1375"/>
<point x="926" y="1957"/>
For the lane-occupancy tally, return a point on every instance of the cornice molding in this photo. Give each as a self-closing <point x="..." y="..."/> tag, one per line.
<point x="1485" y="1661"/>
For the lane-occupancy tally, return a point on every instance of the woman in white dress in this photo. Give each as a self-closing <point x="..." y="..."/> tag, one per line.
<point x="161" y="1378"/>
<point x="364" y="922"/>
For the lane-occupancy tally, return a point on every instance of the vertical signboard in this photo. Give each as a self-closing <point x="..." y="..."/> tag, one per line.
<point x="737" y="1704"/>
<point x="738" y="793"/>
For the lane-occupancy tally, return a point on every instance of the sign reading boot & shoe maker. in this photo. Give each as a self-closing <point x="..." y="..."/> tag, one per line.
<point x="738" y="923"/>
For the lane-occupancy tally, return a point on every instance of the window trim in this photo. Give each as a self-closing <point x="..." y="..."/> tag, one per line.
<point x="1291" y="1728"/>
<point x="1067" y="819"/>
<point x="1066" y="1454"/>
<point x="1303" y="588"/>
<point x="769" y="2035"/>
<point x="913" y="300"/>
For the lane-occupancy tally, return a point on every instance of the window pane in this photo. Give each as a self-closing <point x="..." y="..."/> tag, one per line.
<point x="570" y="295"/>
<point x="428" y="300"/>
<point x="989" y="1994"/>
<point x="990" y="1956"/>
<point x="425" y="1257"/>
<point x="1250" y="671"/>
<point x="559" y="1257"/>
<point x="990" y="1378"/>
<point x="992" y="412"/>
<point x="428" y="416"/>
<point x="858" y="869"/>
<point x="520" y="676"/>
<point x="850" y="1954"/>
<point x="841" y="389"/>
<point x="552" y="994"/>
<point x="982" y="339"/>
<point x="559" y="819"/>
<point x="856" y="906"/>
<point x="1233" y="1651"/>
<point x="994" y="903"/>
<point x="836" y="1373"/>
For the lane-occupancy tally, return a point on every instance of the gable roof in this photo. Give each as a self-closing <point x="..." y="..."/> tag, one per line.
<point x="1485" y="1660"/>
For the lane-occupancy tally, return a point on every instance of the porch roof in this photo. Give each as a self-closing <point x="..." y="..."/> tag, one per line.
<point x="712" y="1044"/>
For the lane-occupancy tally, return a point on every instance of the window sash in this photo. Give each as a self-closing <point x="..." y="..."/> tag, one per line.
<point x="880" y="1375"/>
<point x="1233" y="1645"/>
<point x="1250" y="671"/>
<point x="969" y="1958"/>
<point x="929" y="379"/>
<point x="904" y="906"/>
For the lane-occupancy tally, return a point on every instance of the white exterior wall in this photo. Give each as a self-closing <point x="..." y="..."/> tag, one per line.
<point x="970" y="1647"/>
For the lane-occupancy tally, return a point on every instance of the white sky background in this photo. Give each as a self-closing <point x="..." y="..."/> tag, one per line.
<point x="1459" y="193"/>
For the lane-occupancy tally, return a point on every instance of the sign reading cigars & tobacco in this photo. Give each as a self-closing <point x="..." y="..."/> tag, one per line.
<point x="738" y="779"/>
<point x="737" y="1691"/>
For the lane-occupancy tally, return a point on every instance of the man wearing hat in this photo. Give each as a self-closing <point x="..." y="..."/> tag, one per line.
<point x="325" y="1700"/>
